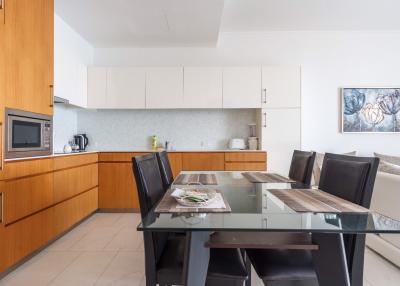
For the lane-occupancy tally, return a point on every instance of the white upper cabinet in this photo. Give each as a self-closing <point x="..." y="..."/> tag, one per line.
<point x="164" y="87"/>
<point x="126" y="88"/>
<point x="202" y="87"/>
<point x="281" y="87"/>
<point x="97" y="87"/>
<point x="242" y="87"/>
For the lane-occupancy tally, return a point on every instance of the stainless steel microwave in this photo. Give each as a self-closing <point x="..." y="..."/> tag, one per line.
<point x="28" y="134"/>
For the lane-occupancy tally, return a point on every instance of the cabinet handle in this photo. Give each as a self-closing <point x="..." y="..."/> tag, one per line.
<point x="51" y="95"/>
<point x="1" y="4"/>
<point x="1" y="145"/>
<point x="265" y="95"/>
<point x="265" y="119"/>
<point x="1" y="207"/>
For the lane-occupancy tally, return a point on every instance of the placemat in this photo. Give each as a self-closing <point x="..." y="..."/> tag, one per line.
<point x="193" y="179"/>
<point x="309" y="200"/>
<point x="258" y="177"/>
<point x="169" y="205"/>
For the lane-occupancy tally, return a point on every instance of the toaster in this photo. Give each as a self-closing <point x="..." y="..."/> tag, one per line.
<point x="237" y="144"/>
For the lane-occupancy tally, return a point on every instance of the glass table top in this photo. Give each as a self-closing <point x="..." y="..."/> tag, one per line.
<point x="254" y="208"/>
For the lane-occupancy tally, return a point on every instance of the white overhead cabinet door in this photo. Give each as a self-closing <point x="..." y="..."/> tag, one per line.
<point x="202" y="87"/>
<point x="126" y="88"/>
<point x="280" y="135"/>
<point x="97" y="87"/>
<point x="281" y="87"/>
<point x="242" y="87"/>
<point x="164" y="87"/>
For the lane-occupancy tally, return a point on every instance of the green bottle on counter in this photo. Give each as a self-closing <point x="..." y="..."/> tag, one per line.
<point x="154" y="142"/>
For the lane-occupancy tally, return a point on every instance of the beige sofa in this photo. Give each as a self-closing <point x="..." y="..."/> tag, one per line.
<point x="386" y="200"/>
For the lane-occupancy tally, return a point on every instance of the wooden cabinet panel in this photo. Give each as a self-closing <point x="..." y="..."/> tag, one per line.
<point x="117" y="187"/>
<point x="175" y="159"/>
<point x="29" y="33"/>
<point x="203" y="161"/>
<point x="70" y="182"/>
<point x="245" y="157"/>
<point x="245" y="166"/>
<point x="74" y="210"/>
<point x="281" y="87"/>
<point x="164" y="87"/>
<point x="25" y="196"/>
<point x="242" y="87"/>
<point x="23" y="168"/>
<point x="118" y="156"/>
<point x="202" y="87"/>
<point x="69" y="161"/>
<point x="2" y="84"/>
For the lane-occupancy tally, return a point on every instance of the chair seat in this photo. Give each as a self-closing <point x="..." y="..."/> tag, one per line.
<point x="275" y="265"/>
<point x="224" y="263"/>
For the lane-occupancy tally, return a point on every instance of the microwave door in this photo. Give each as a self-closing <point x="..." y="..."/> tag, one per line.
<point x="25" y="134"/>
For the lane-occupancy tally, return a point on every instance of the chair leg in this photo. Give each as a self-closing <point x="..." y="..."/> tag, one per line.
<point x="248" y="269"/>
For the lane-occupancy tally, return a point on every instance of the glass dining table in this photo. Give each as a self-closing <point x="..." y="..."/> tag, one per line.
<point x="255" y="209"/>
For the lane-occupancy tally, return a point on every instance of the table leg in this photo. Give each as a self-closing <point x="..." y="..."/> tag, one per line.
<point x="330" y="261"/>
<point x="196" y="258"/>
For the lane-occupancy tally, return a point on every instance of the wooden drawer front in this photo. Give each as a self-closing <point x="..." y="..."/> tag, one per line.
<point x="245" y="157"/>
<point x="245" y="166"/>
<point x="117" y="187"/>
<point x="70" y="212"/>
<point x="118" y="156"/>
<point x="175" y="159"/>
<point x="203" y="161"/>
<point x="70" y="161"/>
<point x="25" y="196"/>
<point x="27" y="235"/>
<point x="70" y="182"/>
<point x="19" y="169"/>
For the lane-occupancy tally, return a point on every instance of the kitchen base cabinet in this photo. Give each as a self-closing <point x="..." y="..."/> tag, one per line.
<point x="203" y="161"/>
<point x="117" y="187"/>
<point x="245" y="166"/>
<point x="175" y="160"/>
<point x="245" y="161"/>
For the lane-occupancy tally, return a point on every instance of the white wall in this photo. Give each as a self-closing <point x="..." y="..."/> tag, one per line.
<point x="329" y="60"/>
<point x="72" y="55"/>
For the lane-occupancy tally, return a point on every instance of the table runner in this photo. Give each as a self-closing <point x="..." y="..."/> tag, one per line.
<point x="169" y="205"/>
<point x="258" y="177"/>
<point x="304" y="200"/>
<point x="193" y="179"/>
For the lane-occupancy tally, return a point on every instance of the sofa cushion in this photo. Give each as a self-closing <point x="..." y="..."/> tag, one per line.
<point x="388" y="158"/>
<point x="319" y="159"/>
<point x="389" y="168"/>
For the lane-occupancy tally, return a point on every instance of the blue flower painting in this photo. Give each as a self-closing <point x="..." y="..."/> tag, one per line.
<point x="371" y="109"/>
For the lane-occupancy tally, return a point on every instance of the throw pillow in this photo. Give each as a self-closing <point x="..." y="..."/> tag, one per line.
<point x="389" y="168"/>
<point x="388" y="158"/>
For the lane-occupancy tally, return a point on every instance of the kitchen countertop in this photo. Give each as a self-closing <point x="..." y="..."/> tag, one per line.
<point x="128" y="151"/>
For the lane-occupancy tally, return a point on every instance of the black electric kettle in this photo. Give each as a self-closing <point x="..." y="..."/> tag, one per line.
<point x="81" y="141"/>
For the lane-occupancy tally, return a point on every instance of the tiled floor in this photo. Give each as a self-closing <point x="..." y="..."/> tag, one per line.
<point x="106" y="249"/>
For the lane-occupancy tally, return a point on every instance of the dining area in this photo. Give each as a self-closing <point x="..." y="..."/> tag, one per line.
<point x="213" y="227"/>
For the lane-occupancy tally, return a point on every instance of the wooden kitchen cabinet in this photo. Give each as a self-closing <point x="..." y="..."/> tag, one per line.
<point x="245" y="161"/>
<point x="242" y="87"/>
<point x="117" y="187"/>
<point x="2" y="85"/>
<point x="175" y="160"/>
<point x="29" y="48"/>
<point x="203" y="161"/>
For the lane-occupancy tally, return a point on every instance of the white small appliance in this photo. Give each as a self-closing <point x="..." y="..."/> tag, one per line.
<point x="237" y="144"/>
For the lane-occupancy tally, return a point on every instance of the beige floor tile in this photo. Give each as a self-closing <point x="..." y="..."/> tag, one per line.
<point x="102" y="220"/>
<point x="378" y="271"/>
<point x="86" y="269"/>
<point x="128" y="219"/>
<point x="43" y="270"/>
<point x="65" y="242"/>
<point x="127" y="268"/>
<point x="96" y="239"/>
<point x="127" y="239"/>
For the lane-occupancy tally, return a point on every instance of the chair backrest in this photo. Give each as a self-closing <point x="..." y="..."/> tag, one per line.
<point x="301" y="166"/>
<point x="150" y="190"/>
<point x="165" y="169"/>
<point x="351" y="178"/>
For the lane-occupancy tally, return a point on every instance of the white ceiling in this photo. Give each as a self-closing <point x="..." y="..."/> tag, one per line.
<point x="144" y="23"/>
<point x="166" y="23"/>
<point x="275" y="15"/>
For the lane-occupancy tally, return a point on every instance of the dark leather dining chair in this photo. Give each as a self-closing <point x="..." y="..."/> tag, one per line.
<point x="164" y="253"/>
<point x="165" y="169"/>
<point x="301" y="166"/>
<point x="349" y="177"/>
